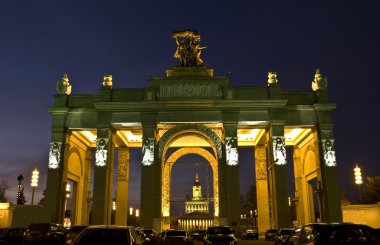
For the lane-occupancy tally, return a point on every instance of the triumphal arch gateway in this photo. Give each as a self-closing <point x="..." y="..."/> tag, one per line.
<point x="193" y="112"/>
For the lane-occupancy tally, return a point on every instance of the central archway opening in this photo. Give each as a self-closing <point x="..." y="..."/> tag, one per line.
<point x="191" y="205"/>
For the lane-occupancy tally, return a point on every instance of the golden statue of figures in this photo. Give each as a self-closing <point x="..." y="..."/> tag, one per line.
<point x="188" y="48"/>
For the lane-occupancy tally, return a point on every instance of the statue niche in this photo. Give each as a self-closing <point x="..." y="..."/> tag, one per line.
<point x="188" y="48"/>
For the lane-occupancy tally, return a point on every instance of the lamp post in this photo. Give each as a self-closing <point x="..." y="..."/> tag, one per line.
<point x="358" y="178"/>
<point x="251" y="213"/>
<point x="34" y="182"/>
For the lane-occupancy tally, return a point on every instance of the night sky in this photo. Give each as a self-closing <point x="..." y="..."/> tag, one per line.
<point x="41" y="40"/>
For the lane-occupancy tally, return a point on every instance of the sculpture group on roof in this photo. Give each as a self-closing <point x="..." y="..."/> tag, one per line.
<point x="188" y="48"/>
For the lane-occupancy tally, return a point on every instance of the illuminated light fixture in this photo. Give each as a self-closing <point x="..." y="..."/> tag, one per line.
<point x="89" y="135"/>
<point x="131" y="211"/>
<point x="68" y="188"/>
<point x="293" y="134"/>
<point x="131" y="137"/>
<point x="34" y="181"/>
<point x="113" y="205"/>
<point x="358" y="175"/>
<point x="137" y="213"/>
<point x="166" y="213"/>
<point x="252" y="134"/>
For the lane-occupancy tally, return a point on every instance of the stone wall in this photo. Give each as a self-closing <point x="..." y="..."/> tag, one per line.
<point x="368" y="214"/>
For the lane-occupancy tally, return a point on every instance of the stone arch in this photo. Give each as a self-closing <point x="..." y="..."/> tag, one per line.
<point x="309" y="173"/>
<point x="199" y="129"/>
<point x="170" y="136"/>
<point x="309" y="163"/>
<point x="166" y="176"/>
<point x="73" y="158"/>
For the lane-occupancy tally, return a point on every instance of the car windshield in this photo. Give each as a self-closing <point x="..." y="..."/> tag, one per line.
<point x="219" y="230"/>
<point x="272" y="231"/>
<point x="107" y="236"/>
<point x="175" y="233"/>
<point x="285" y="231"/>
<point x="39" y="227"/>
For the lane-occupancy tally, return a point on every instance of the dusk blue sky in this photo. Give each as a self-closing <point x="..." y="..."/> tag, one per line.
<point x="41" y="40"/>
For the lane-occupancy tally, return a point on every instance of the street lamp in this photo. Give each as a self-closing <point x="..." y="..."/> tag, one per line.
<point x="34" y="182"/>
<point x="358" y="177"/>
<point x="68" y="188"/>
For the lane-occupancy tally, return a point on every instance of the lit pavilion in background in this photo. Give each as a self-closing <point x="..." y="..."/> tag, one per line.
<point x="197" y="215"/>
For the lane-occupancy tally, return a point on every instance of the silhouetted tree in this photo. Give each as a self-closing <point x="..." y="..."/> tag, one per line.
<point x="20" y="191"/>
<point x="250" y="201"/>
<point x="371" y="190"/>
<point x="3" y="189"/>
<point x="42" y="200"/>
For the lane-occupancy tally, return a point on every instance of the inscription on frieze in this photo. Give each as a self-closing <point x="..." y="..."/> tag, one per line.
<point x="190" y="89"/>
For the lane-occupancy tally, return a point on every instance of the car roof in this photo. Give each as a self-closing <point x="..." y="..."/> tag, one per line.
<point x="109" y="227"/>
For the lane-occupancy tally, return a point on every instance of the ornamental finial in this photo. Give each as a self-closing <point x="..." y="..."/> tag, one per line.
<point x="63" y="86"/>
<point x="272" y="78"/>
<point x="319" y="82"/>
<point x="107" y="81"/>
<point x="188" y="48"/>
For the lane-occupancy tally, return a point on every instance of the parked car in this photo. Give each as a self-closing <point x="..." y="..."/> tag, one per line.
<point x="177" y="237"/>
<point x="73" y="232"/>
<point x="110" y="235"/>
<point x="250" y="235"/>
<point x="11" y="236"/>
<point x="45" y="233"/>
<point x="282" y="235"/>
<point x="334" y="233"/>
<point x="269" y="234"/>
<point x="153" y="235"/>
<point x="219" y="235"/>
<point x="197" y="234"/>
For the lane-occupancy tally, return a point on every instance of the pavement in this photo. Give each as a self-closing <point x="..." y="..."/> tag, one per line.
<point x="245" y="242"/>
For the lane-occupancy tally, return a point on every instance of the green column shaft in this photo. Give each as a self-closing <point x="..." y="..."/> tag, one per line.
<point x="278" y="178"/>
<point x="232" y="184"/>
<point x="103" y="179"/>
<point x="332" y="211"/>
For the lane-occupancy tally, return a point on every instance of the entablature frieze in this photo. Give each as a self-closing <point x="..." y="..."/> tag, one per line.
<point x="191" y="105"/>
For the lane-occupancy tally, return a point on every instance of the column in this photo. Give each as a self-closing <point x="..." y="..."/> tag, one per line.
<point x="122" y="182"/>
<point x="150" y="179"/>
<point x="262" y="189"/>
<point x="56" y="170"/>
<point x="330" y="197"/>
<point x="86" y="187"/>
<point x="299" y="196"/>
<point x="103" y="178"/>
<point x="278" y="177"/>
<point x="232" y="187"/>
